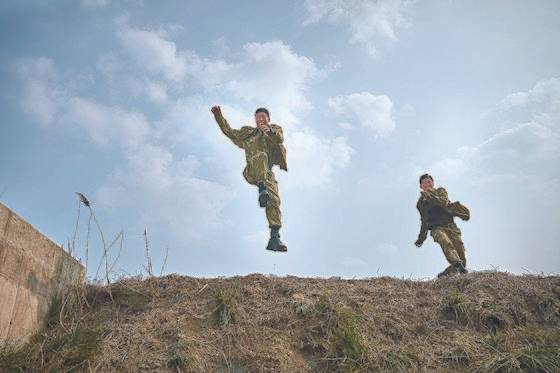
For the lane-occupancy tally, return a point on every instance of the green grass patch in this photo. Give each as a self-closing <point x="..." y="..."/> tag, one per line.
<point x="225" y="303"/>
<point x="524" y="350"/>
<point x="55" y="348"/>
<point x="52" y="351"/>
<point x="334" y="332"/>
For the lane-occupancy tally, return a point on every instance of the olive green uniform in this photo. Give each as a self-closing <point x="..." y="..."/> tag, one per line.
<point x="435" y="218"/>
<point x="262" y="151"/>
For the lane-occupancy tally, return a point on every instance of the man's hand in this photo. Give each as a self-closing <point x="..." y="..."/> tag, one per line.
<point x="216" y="110"/>
<point x="265" y="128"/>
<point x="418" y="243"/>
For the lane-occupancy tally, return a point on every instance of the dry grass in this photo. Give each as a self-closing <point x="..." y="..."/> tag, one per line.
<point x="70" y="338"/>
<point x="225" y="302"/>
<point x="480" y="322"/>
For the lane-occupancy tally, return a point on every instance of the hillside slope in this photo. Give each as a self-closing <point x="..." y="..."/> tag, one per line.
<point x="486" y="321"/>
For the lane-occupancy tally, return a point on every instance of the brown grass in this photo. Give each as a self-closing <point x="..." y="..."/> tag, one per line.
<point x="480" y="322"/>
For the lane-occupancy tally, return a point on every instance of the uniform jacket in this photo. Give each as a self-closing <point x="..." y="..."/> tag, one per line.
<point x="241" y="137"/>
<point x="432" y="208"/>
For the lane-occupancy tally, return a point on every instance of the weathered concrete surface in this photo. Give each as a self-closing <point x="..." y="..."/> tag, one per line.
<point x="33" y="269"/>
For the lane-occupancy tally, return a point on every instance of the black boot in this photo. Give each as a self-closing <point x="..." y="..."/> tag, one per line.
<point x="275" y="244"/>
<point x="460" y="267"/>
<point x="264" y="197"/>
<point x="442" y="274"/>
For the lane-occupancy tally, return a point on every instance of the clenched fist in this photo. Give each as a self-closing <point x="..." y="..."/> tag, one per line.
<point x="264" y="127"/>
<point x="216" y="110"/>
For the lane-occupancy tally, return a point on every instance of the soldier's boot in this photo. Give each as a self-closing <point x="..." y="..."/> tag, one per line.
<point x="460" y="267"/>
<point x="447" y="271"/>
<point x="264" y="197"/>
<point x="275" y="244"/>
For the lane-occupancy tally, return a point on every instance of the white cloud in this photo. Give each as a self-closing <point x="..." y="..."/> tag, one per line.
<point x="540" y="104"/>
<point x="374" y="112"/>
<point x="149" y="49"/>
<point x="152" y="178"/>
<point x="53" y="104"/>
<point x="273" y="75"/>
<point x="169" y="192"/>
<point x="345" y="125"/>
<point x="105" y="124"/>
<point x="189" y="122"/>
<point x="42" y="98"/>
<point x="156" y="92"/>
<point x="527" y="147"/>
<point x="263" y="74"/>
<point x="448" y="167"/>
<point x="153" y="91"/>
<point x="112" y="67"/>
<point x="370" y="22"/>
<point x="312" y="160"/>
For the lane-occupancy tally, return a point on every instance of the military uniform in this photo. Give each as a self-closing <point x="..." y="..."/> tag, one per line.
<point x="436" y="218"/>
<point x="262" y="151"/>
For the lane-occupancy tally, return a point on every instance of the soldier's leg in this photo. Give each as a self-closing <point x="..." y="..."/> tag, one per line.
<point x="441" y="237"/>
<point x="455" y="237"/>
<point x="248" y="176"/>
<point x="257" y="173"/>
<point x="257" y="168"/>
<point x="273" y="213"/>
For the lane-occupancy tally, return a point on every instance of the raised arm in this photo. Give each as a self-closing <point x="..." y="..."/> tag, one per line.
<point x="232" y="134"/>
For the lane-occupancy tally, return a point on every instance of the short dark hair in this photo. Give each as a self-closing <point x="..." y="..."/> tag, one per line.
<point x="426" y="176"/>
<point x="263" y="110"/>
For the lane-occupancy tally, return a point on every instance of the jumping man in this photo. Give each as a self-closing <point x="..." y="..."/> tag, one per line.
<point x="263" y="149"/>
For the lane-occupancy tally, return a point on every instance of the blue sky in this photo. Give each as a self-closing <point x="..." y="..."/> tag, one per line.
<point x="111" y="98"/>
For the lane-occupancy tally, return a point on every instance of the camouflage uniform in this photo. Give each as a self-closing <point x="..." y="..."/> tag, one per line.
<point x="262" y="151"/>
<point x="435" y="218"/>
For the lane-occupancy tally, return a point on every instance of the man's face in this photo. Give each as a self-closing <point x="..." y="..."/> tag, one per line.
<point x="261" y="119"/>
<point x="427" y="184"/>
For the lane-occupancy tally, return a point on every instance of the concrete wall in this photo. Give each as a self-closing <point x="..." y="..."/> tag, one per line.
<point x="32" y="270"/>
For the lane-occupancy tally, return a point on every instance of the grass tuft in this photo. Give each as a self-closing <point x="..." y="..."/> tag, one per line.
<point x="335" y="332"/>
<point x="232" y="367"/>
<point x="399" y="361"/>
<point x="225" y="303"/>
<point x="525" y="350"/>
<point x="53" y="350"/>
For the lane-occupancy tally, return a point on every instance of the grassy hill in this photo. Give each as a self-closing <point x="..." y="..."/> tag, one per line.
<point x="483" y="322"/>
